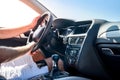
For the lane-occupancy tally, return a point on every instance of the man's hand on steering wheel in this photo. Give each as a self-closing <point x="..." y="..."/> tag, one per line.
<point x="41" y="29"/>
<point x="34" y="22"/>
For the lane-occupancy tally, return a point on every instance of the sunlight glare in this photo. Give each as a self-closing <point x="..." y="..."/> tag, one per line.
<point x="15" y="13"/>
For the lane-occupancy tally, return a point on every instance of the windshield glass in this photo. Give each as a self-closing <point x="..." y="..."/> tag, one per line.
<point x="84" y="9"/>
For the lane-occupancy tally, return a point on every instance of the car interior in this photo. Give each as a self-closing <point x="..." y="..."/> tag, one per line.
<point x="90" y="49"/>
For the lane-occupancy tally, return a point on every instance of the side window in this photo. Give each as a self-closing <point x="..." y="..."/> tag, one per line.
<point x="15" y="13"/>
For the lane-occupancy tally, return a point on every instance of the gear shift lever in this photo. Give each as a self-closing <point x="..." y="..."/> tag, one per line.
<point x="55" y="59"/>
<point x="55" y="72"/>
<point x="55" y="68"/>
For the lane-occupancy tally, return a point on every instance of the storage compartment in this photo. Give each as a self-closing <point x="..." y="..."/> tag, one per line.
<point x="110" y="55"/>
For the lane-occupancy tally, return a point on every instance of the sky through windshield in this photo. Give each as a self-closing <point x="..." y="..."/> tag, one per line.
<point x="85" y="9"/>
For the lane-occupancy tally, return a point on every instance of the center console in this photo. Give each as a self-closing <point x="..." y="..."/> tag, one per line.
<point x="75" y="41"/>
<point x="73" y="48"/>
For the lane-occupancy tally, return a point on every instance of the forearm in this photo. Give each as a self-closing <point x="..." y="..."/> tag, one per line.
<point x="9" y="53"/>
<point x="15" y="31"/>
<point x="12" y="32"/>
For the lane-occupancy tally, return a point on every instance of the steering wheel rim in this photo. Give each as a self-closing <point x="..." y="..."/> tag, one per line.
<point x="45" y="30"/>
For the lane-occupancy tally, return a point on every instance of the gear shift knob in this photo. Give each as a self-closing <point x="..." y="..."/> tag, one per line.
<point x="55" y="58"/>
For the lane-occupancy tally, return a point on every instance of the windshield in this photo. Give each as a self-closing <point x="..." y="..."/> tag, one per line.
<point x="84" y="9"/>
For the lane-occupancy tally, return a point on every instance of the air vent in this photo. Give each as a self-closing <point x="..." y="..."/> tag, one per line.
<point x="76" y="40"/>
<point x="72" y="40"/>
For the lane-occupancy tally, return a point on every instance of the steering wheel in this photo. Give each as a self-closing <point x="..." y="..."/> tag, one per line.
<point x="41" y="31"/>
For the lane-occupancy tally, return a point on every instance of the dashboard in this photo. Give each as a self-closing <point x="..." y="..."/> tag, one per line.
<point x="73" y="34"/>
<point x="91" y="44"/>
